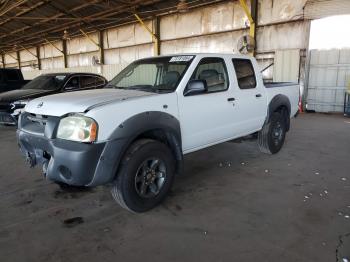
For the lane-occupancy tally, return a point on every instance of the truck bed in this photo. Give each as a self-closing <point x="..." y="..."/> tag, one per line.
<point x="291" y="90"/>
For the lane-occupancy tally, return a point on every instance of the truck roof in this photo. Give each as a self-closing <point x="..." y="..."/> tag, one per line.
<point x="209" y="54"/>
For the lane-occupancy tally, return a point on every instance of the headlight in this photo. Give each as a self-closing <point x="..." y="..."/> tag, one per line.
<point x="77" y="128"/>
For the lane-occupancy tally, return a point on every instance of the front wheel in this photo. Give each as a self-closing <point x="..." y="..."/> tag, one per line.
<point x="271" y="137"/>
<point x="145" y="176"/>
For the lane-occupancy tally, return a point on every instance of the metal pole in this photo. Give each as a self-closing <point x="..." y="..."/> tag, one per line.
<point x="18" y="59"/>
<point x="157" y="42"/>
<point x="38" y="57"/>
<point x="154" y="36"/>
<point x="101" y="47"/>
<point x="254" y="12"/>
<point x="65" y="58"/>
<point x="3" y="60"/>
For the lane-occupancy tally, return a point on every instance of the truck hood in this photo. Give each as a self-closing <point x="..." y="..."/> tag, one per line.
<point x="23" y="94"/>
<point x="80" y="101"/>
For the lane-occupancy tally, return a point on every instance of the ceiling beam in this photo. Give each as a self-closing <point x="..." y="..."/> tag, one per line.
<point x="6" y="20"/>
<point x="96" y="16"/>
<point x="13" y="6"/>
<point x="48" y="19"/>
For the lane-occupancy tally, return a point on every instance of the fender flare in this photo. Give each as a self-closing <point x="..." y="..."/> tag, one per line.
<point x="277" y="102"/>
<point x="129" y="130"/>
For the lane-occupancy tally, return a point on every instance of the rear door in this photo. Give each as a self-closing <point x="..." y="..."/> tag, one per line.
<point x="250" y="96"/>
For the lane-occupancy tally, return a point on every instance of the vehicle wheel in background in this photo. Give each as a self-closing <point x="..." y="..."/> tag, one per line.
<point x="145" y="176"/>
<point x="271" y="137"/>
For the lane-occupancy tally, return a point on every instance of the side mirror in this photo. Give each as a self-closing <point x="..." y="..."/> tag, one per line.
<point x="196" y="87"/>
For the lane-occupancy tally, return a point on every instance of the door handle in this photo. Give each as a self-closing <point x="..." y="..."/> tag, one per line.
<point x="231" y="99"/>
<point x="258" y="95"/>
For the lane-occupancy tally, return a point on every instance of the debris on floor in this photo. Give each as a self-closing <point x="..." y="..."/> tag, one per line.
<point x="74" y="221"/>
<point x="107" y="229"/>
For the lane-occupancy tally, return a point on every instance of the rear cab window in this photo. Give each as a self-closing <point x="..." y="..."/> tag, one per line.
<point x="245" y="73"/>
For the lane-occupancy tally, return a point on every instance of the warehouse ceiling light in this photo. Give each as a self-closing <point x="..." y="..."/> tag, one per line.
<point x="65" y="35"/>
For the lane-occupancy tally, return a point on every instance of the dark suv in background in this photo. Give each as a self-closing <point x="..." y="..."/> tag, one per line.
<point x="11" y="79"/>
<point x="12" y="102"/>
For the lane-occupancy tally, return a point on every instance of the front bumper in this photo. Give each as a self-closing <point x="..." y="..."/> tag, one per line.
<point x="73" y="163"/>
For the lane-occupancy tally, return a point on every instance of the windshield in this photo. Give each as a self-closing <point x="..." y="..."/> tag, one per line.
<point x="46" y="82"/>
<point x="159" y="74"/>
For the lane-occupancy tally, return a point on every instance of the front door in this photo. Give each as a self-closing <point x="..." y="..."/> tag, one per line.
<point x="207" y="118"/>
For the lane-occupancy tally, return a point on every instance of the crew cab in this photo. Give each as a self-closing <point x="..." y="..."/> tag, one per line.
<point x="134" y="133"/>
<point x="13" y="102"/>
<point x="11" y="79"/>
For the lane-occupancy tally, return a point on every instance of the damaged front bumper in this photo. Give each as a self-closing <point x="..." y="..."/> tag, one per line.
<point x="72" y="163"/>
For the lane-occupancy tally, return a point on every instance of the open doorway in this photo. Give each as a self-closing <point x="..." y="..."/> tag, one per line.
<point x="329" y="64"/>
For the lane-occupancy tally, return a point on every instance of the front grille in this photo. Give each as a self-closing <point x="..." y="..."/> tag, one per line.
<point x="36" y="124"/>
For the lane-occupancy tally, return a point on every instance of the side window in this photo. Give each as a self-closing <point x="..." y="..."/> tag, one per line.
<point x="87" y="82"/>
<point x="245" y="73"/>
<point x="213" y="71"/>
<point x="100" y="82"/>
<point x="72" y="84"/>
<point x="12" y="75"/>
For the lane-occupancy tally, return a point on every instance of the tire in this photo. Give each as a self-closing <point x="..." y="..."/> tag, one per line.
<point x="142" y="182"/>
<point x="271" y="137"/>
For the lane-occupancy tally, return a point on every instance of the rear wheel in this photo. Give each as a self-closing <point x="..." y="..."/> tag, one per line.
<point x="271" y="137"/>
<point x="145" y="176"/>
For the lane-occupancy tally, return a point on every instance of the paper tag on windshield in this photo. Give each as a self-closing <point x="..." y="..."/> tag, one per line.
<point x="184" y="58"/>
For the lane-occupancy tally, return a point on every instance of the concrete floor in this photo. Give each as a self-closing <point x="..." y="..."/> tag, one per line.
<point x="232" y="204"/>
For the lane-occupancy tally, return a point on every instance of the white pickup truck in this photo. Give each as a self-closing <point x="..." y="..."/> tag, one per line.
<point x="133" y="133"/>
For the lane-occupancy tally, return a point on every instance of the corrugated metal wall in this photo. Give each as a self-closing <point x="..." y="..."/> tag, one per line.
<point x="287" y="65"/>
<point x="329" y="75"/>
